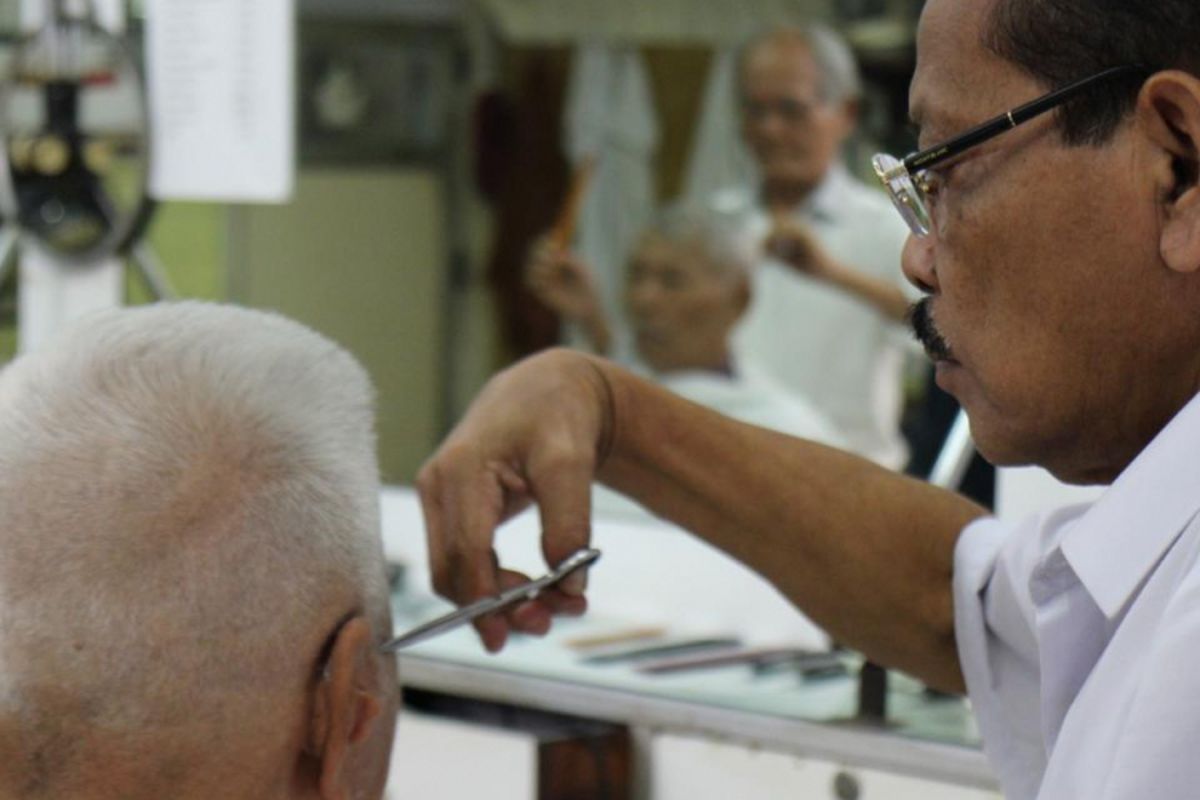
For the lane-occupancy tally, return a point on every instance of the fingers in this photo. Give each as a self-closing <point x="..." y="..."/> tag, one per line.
<point x="460" y="517"/>
<point x="543" y="261"/>
<point x="563" y="484"/>
<point x="560" y="603"/>
<point x="531" y="435"/>
<point x="561" y="281"/>
<point x="549" y="261"/>
<point x="540" y="267"/>
<point x="792" y="242"/>
<point x="536" y="616"/>
<point x="532" y="617"/>
<point x="787" y="248"/>
<point x="432" y="510"/>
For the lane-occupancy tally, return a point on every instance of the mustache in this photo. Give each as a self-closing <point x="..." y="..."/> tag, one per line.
<point x="920" y="319"/>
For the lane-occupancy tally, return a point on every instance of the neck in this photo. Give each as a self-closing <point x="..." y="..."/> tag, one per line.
<point x="785" y="194"/>
<point x="720" y="364"/>
<point x="87" y="766"/>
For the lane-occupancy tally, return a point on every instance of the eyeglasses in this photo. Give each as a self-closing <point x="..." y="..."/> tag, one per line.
<point x="789" y="110"/>
<point x="907" y="180"/>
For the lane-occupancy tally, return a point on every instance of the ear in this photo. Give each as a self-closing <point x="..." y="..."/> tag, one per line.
<point x="850" y="111"/>
<point x="346" y="705"/>
<point x="844" y="116"/>
<point x="1169" y="113"/>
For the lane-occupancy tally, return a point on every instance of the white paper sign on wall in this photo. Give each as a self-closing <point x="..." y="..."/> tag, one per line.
<point x="222" y="99"/>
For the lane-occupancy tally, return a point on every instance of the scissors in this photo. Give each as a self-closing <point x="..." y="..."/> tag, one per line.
<point x="489" y="605"/>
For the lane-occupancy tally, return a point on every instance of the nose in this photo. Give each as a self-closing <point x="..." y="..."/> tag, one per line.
<point x="642" y="297"/>
<point x="761" y="124"/>
<point x="918" y="263"/>
<point x="767" y="123"/>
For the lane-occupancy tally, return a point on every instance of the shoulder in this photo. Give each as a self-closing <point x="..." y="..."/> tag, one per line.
<point x="995" y="559"/>
<point x="785" y="410"/>
<point x="733" y="199"/>
<point x="863" y="202"/>
<point x="861" y="224"/>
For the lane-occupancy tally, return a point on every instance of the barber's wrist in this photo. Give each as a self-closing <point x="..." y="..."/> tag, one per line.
<point x="601" y="376"/>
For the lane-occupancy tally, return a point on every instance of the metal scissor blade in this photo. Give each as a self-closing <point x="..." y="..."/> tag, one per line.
<point x="490" y="605"/>
<point x="442" y="624"/>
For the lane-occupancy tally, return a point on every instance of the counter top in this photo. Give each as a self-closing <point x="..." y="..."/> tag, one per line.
<point x="927" y="736"/>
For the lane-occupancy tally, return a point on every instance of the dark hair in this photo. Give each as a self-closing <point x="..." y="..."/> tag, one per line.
<point x="1059" y="41"/>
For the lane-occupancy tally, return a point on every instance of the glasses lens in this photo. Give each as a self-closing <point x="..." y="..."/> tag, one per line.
<point x="907" y="198"/>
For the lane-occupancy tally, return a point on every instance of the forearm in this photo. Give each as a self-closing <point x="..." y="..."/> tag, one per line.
<point x="884" y="297"/>
<point x="866" y="553"/>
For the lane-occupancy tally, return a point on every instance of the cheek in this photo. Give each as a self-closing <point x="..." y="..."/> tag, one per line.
<point x="757" y="134"/>
<point x="803" y="142"/>
<point x="700" y="311"/>
<point x="1031" y="285"/>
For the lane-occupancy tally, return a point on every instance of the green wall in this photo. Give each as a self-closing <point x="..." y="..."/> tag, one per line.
<point x="358" y="254"/>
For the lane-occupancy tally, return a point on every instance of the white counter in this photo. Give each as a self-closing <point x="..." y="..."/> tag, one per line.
<point x="652" y="573"/>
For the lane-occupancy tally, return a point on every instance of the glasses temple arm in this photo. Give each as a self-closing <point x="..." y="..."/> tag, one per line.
<point x="925" y="159"/>
<point x="1059" y="96"/>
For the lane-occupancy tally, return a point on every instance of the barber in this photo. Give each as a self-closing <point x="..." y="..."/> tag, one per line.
<point x="1060" y="259"/>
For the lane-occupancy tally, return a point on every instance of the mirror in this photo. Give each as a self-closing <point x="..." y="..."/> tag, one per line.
<point x="74" y="160"/>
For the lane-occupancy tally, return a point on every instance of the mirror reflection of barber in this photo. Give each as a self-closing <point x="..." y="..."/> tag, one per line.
<point x="830" y="297"/>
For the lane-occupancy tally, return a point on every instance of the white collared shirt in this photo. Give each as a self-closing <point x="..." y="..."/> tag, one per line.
<point x="1079" y="635"/>
<point x="750" y="395"/>
<point x="815" y="339"/>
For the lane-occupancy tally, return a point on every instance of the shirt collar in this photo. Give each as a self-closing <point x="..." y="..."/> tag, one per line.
<point x="1115" y="545"/>
<point x="727" y="371"/>
<point x="827" y="201"/>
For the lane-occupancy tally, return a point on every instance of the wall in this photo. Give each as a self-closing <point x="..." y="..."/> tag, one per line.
<point x="359" y="254"/>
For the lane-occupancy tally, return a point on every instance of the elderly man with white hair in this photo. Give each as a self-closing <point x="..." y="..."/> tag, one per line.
<point x="829" y="297"/>
<point x="688" y="283"/>
<point x="191" y="577"/>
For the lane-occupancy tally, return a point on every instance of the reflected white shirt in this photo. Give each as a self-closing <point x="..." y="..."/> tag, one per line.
<point x="820" y="342"/>
<point x="747" y="395"/>
<point x="750" y="395"/>
<point x="1079" y="635"/>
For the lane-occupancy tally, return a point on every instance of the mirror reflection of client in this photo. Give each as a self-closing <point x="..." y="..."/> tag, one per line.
<point x="688" y="284"/>
<point x="191" y="573"/>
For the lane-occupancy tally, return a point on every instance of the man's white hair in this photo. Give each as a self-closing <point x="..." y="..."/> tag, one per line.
<point x="840" y="78"/>
<point x="187" y="493"/>
<point x="725" y="237"/>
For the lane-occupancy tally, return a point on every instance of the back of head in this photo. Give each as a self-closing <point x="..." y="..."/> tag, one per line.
<point x="1060" y="41"/>
<point x="188" y="502"/>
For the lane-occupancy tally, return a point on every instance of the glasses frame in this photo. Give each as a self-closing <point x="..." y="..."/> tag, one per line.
<point x="905" y="179"/>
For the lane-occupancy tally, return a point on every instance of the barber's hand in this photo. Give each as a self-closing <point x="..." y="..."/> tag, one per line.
<point x="562" y="281"/>
<point x="536" y="433"/>
<point x="793" y="243"/>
